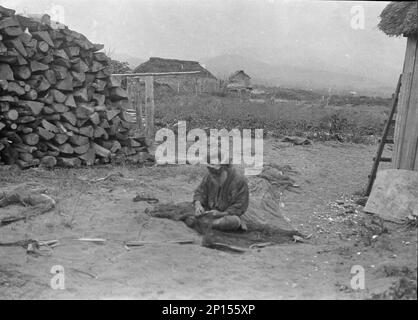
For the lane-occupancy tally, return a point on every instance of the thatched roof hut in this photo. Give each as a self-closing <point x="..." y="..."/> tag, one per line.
<point x="239" y="80"/>
<point x="204" y="81"/>
<point x="156" y="64"/>
<point x="238" y="76"/>
<point x="400" y="18"/>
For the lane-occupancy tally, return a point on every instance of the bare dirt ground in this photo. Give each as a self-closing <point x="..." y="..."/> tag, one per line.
<point x="330" y="176"/>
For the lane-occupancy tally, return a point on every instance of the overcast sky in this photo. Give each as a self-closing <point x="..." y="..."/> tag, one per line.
<point x="193" y="29"/>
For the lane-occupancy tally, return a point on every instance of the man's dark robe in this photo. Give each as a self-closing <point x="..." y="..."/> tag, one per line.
<point x="232" y="197"/>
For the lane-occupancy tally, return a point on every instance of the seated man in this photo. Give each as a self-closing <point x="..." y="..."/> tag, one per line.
<point x="223" y="195"/>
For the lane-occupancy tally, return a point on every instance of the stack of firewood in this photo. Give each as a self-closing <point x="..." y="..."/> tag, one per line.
<point x="59" y="104"/>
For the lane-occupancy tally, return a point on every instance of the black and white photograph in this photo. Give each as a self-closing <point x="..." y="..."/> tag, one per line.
<point x="208" y="154"/>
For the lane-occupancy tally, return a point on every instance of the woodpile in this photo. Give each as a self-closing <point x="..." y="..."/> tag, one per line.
<point x="59" y="104"/>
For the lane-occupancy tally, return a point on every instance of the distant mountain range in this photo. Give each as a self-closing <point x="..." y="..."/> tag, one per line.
<point x="314" y="77"/>
<point x="334" y="72"/>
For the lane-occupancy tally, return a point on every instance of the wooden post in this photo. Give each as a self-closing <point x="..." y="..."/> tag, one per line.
<point x="129" y="91"/>
<point x="149" y="105"/>
<point x="133" y="92"/>
<point x="411" y="133"/>
<point x="406" y="130"/>
<point x="138" y="105"/>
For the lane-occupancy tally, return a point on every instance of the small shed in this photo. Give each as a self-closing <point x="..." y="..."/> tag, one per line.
<point x="401" y="19"/>
<point x="203" y="81"/>
<point x="240" y="78"/>
<point x="239" y="83"/>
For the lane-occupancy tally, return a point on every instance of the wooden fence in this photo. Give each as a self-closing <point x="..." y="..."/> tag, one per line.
<point x="141" y="104"/>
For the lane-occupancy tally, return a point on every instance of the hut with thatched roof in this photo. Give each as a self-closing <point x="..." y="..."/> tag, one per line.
<point x="239" y="83"/>
<point x="240" y="78"/>
<point x="203" y="81"/>
<point x="401" y="19"/>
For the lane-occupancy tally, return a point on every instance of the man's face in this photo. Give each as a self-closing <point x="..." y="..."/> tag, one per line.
<point x="218" y="176"/>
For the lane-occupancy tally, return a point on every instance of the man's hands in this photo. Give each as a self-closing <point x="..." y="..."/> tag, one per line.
<point x="198" y="209"/>
<point x="217" y="213"/>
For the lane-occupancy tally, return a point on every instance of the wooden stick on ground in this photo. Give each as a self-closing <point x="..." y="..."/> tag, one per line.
<point x="144" y="243"/>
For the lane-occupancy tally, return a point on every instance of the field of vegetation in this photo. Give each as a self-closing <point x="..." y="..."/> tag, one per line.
<point x="314" y="119"/>
<point x="320" y="95"/>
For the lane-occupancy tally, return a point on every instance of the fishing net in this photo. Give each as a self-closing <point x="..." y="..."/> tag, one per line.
<point x="264" y="218"/>
<point x="23" y="202"/>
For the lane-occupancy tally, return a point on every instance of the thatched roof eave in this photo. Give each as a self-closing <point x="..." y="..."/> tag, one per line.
<point x="400" y="18"/>
<point x="156" y="64"/>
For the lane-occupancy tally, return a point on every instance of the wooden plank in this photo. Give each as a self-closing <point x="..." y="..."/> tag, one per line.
<point x="149" y="105"/>
<point x="416" y="163"/>
<point x="147" y="74"/>
<point x="396" y="132"/>
<point x="400" y="119"/>
<point x="138" y="107"/>
<point x="411" y="51"/>
<point x="411" y="124"/>
<point x="133" y="93"/>
<point x="129" y="90"/>
<point x="394" y="195"/>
